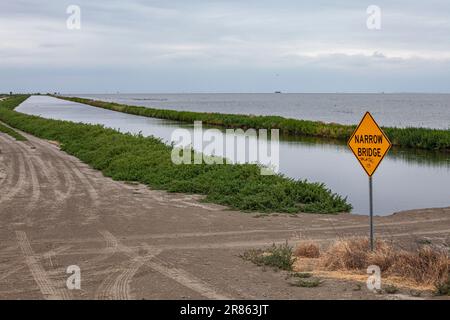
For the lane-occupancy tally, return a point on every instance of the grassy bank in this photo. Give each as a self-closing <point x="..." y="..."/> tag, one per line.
<point x="147" y="160"/>
<point x="12" y="133"/>
<point x="421" y="138"/>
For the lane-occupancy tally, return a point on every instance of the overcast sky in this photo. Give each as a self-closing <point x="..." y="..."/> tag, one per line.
<point x="225" y="46"/>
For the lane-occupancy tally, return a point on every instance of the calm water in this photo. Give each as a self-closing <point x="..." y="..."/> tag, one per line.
<point x="397" y="110"/>
<point x="405" y="179"/>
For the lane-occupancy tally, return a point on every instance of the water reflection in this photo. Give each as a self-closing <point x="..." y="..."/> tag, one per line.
<point x="406" y="179"/>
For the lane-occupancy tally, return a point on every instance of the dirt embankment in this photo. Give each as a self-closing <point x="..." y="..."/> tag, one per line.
<point x="132" y="242"/>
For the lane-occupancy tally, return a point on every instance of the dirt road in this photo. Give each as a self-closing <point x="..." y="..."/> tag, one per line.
<point x="132" y="243"/>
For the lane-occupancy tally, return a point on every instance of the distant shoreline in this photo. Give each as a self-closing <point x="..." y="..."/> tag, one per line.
<point x="226" y="92"/>
<point x="419" y="138"/>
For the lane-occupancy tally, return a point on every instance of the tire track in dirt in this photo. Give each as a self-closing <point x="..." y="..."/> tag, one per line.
<point x="92" y="192"/>
<point x="69" y="182"/>
<point x="116" y="286"/>
<point x="4" y="168"/>
<point x="237" y="244"/>
<point x="181" y="235"/>
<point x="14" y="185"/>
<point x="54" y="252"/>
<point x="110" y="249"/>
<point x="192" y="201"/>
<point x="58" y="160"/>
<point x="49" y="171"/>
<point x="57" y="183"/>
<point x="166" y="269"/>
<point x="72" y="173"/>
<point x="71" y="167"/>
<point x="36" y="189"/>
<point x="6" y="274"/>
<point x="32" y="165"/>
<point x="32" y="172"/>
<point x="17" y="266"/>
<point x="45" y="284"/>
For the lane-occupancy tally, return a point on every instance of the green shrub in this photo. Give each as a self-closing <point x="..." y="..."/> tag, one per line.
<point x="147" y="160"/>
<point x="301" y="275"/>
<point x="391" y="289"/>
<point x="279" y="257"/>
<point x="307" y="283"/>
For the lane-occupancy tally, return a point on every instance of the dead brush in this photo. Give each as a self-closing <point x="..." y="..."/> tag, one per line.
<point x="307" y="250"/>
<point x="426" y="265"/>
<point x="383" y="256"/>
<point x="353" y="254"/>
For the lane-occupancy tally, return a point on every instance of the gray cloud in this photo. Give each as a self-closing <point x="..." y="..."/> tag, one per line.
<point x="219" y="44"/>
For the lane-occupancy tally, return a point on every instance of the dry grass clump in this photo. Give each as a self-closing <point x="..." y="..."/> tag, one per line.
<point x="354" y="254"/>
<point x="307" y="250"/>
<point x="426" y="265"/>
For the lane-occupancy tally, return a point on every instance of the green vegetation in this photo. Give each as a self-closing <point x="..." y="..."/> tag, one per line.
<point x="12" y="133"/>
<point x="307" y="283"/>
<point x="421" y="138"/>
<point x="358" y="287"/>
<point x="147" y="160"/>
<point x="391" y="289"/>
<point x="443" y="287"/>
<point x="279" y="257"/>
<point x="301" y="275"/>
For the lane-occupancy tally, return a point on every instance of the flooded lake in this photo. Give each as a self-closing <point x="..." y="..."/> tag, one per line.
<point x="405" y="180"/>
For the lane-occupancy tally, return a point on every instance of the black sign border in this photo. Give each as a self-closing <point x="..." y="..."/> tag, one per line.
<point x="384" y="134"/>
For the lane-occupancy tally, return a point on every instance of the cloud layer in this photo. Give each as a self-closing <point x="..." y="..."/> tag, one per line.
<point x="244" y="46"/>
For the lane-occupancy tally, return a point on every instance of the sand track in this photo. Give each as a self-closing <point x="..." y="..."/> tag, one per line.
<point x="131" y="242"/>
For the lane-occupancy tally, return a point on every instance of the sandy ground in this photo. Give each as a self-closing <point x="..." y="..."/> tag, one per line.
<point x="134" y="243"/>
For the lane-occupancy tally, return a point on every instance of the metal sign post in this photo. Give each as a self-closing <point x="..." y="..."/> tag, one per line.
<point x="369" y="145"/>
<point x="371" y="212"/>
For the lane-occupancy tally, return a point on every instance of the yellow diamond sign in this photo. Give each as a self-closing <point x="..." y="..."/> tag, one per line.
<point x="369" y="144"/>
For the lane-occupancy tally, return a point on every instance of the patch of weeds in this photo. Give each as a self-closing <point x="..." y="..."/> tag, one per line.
<point x="391" y="289"/>
<point x="358" y="287"/>
<point x="12" y="133"/>
<point x="301" y="275"/>
<point x="424" y="242"/>
<point x="131" y="183"/>
<point x="260" y="215"/>
<point x="307" y="283"/>
<point x="443" y="288"/>
<point x="278" y="257"/>
<point x="415" y="293"/>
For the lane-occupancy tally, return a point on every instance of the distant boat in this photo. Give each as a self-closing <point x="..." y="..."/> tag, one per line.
<point x="277" y="91"/>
